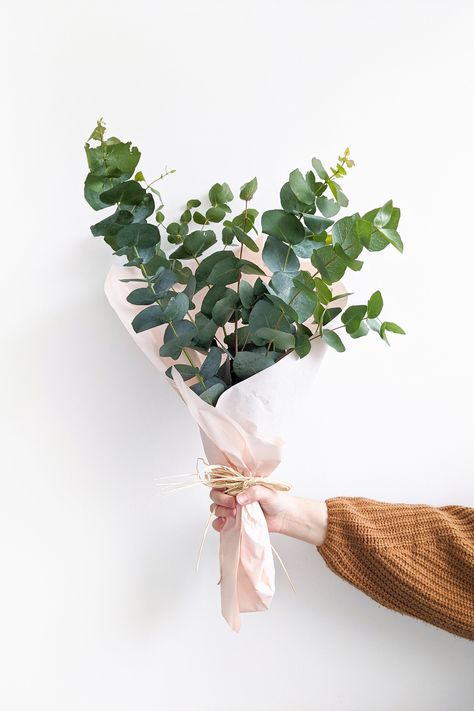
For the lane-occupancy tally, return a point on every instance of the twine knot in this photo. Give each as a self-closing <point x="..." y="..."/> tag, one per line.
<point x="233" y="482"/>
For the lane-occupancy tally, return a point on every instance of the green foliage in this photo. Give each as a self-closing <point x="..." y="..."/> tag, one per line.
<point x="244" y="324"/>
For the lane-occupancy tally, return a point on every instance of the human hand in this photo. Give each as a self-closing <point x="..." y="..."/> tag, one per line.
<point x="293" y="516"/>
<point x="274" y="505"/>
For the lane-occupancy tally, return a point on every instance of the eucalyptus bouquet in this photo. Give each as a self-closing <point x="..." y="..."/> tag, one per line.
<point x="242" y="317"/>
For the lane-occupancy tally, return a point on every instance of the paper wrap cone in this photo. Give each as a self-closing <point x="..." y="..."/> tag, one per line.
<point x="245" y="430"/>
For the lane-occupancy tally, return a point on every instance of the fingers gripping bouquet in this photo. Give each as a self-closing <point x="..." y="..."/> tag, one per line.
<point x="238" y="321"/>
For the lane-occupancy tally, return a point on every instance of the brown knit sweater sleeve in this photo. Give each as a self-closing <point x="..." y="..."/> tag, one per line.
<point x="413" y="558"/>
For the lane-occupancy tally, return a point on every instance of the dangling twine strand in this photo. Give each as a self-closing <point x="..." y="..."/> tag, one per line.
<point x="228" y="480"/>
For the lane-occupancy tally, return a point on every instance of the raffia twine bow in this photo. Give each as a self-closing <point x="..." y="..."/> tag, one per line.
<point x="230" y="481"/>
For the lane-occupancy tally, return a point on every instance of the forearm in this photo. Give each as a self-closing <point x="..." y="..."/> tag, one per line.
<point x="413" y="558"/>
<point x="305" y="520"/>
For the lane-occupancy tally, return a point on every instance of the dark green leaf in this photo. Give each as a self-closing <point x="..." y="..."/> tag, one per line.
<point x="215" y="294"/>
<point x="375" y="305"/>
<point x="113" y="158"/>
<point x="289" y="201"/>
<point x="243" y="334"/>
<point x="220" y="194"/>
<point x="266" y="315"/>
<point x="129" y="192"/>
<point x="199" y="218"/>
<point x="333" y="340"/>
<point x="205" y="267"/>
<point x="247" y="191"/>
<point x="148" y="318"/>
<point x="281" y="224"/>
<point x="244" y="238"/>
<point x="212" y="394"/>
<point x="322" y="290"/>
<point x="224" y="309"/>
<point x="94" y="186"/>
<point x="353" y="313"/>
<point x="330" y="267"/>
<point x="344" y="233"/>
<point x="248" y="363"/>
<point x="302" y="344"/>
<point x="194" y="244"/>
<point x="301" y="299"/>
<point x="211" y="363"/>
<point x="279" y="256"/>
<point x="177" y="336"/>
<point x="245" y="220"/>
<point x="186" y="371"/>
<point x="279" y="339"/>
<point x="141" y="236"/>
<point x="112" y="224"/>
<point x="163" y="281"/>
<point x="300" y="188"/>
<point x="142" y="297"/>
<point x="247" y="267"/>
<point x="177" y="307"/>
<point x="330" y="314"/>
<point x="206" y="330"/>
<point x="317" y="224"/>
<point x="246" y="294"/>
<point x="225" y="271"/>
<point x="215" y="214"/>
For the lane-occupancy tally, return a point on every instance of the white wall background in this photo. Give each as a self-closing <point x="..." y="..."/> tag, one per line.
<point x="101" y="609"/>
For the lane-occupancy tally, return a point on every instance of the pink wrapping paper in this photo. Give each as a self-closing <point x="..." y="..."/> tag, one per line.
<point x="245" y="430"/>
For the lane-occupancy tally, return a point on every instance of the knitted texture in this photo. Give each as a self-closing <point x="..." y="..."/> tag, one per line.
<point x="412" y="558"/>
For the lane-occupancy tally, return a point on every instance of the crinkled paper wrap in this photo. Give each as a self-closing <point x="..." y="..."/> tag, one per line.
<point x="244" y="430"/>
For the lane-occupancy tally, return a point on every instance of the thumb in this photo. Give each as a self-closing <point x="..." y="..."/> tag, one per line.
<point x="255" y="493"/>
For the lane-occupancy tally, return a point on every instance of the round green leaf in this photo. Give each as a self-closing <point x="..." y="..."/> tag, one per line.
<point x="333" y="340"/>
<point x="248" y="363"/>
<point x="278" y="256"/>
<point x="375" y="305"/>
<point x="281" y="224"/>
<point x="247" y="191"/>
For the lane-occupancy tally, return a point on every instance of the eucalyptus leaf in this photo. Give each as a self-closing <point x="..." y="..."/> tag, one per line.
<point x="211" y="363"/>
<point x="327" y="207"/>
<point x="279" y="256"/>
<point x="178" y="335"/>
<point x="317" y="224"/>
<point x="282" y="225"/>
<point x="375" y="305"/>
<point x="148" y="318"/>
<point x="290" y="202"/>
<point x="333" y="340"/>
<point x="279" y="339"/>
<point x="344" y="234"/>
<point x="329" y="265"/>
<point x="301" y="188"/>
<point x="248" y="363"/>
<point x="247" y="191"/>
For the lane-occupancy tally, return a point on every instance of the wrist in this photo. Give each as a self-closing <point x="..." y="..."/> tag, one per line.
<point x="306" y="520"/>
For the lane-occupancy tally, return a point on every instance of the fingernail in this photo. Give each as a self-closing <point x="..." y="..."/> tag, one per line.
<point x="242" y="498"/>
